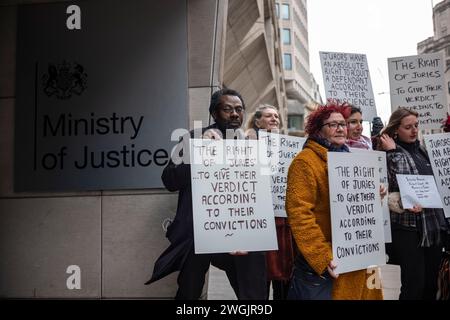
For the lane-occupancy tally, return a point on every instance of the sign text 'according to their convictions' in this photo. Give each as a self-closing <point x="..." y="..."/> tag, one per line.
<point x="231" y="196"/>
<point x="356" y="213"/>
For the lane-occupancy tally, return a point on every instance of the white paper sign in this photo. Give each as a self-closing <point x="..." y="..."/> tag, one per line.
<point x="381" y="156"/>
<point x="356" y="213"/>
<point x="346" y="78"/>
<point x="418" y="189"/>
<point x="438" y="146"/>
<point x="418" y="83"/>
<point x="281" y="150"/>
<point x="230" y="197"/>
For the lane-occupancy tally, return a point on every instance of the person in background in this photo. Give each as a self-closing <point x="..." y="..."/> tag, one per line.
<point x="355" y="138"/>
<point x="308" y="210"/>
<point x="377" y="126"/>
<point x="245" y="271"/>
<point x="279" y="262"/>
<point x="417" y="233"/>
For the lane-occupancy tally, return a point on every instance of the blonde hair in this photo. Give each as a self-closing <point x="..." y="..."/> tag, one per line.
<point x="251" y="123"/>
<point x="396" y="119"/>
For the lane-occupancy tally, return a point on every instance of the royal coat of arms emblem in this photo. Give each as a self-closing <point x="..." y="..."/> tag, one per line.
<point x="64" y="80"/>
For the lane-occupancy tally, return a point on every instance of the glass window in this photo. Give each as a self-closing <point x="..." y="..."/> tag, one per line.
<point x="277" y="10"/>
<point x="295" y="122"/>
<point x="286" y="36"/>
<point x="287" y="61"/>
<point x="285" y="11"/>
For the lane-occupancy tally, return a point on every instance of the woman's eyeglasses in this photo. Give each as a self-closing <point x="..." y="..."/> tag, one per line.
<point x="335" y="125"/>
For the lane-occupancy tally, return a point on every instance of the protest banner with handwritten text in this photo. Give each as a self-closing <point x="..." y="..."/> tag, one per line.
<point x="346" y="78"/>
<point x="281" y="150"/>
<point x="356" y="213"/>
<point x="418" y="190"/>
<point x="230" y="197"/>
<point x="381" y="156"/>
<point x="418" y="83"/>
<point x="438" y="146"/>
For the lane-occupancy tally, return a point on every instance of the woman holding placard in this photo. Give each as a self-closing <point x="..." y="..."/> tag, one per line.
<point x="417" y="233"/>
<point x="279" y="262"/>
<point x="308" y="210"/>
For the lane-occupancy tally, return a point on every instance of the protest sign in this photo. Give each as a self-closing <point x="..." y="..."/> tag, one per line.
<point x="381" y="156"/>
<point x="356" y="213"/>
<point x="438" y="146"/>
<point x="281" y="150"/>
<point x="230" y="197"/>
<point x="346" y="78"/>
<point x="418" y="83"/>
<point x="418" y="190"/>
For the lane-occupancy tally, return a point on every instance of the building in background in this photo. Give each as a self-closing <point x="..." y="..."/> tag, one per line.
<point x="301" y="88"/>
<point x="441" y="39"/>
<point x="252" y="59"/>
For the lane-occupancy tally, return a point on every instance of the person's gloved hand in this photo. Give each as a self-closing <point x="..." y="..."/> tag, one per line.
<point x="377" y="126"/>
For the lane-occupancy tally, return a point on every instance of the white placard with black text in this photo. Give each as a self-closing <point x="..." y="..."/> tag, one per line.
<point x="381" y="155"/>
<point x="418" y="83"/>
<point x="356" y="213"/>
<point x="230" y="196"/>
<point x="281" y="150"/>
<point x="438" y="146"/>
<point x="346" y="78"/>
<point x="418" y="190"/>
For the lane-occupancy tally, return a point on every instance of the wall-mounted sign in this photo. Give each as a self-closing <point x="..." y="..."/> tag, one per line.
<point x="101" y="85"/>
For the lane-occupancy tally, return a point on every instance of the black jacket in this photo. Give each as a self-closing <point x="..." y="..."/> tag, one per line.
<point x="181" y="231"/>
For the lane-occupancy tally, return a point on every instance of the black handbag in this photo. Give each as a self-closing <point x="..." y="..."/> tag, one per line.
<point x="306" y="284"/>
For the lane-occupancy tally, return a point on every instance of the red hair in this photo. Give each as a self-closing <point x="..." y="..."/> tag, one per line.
<point x="317" y="117"/>
<point x="446" y="124"/>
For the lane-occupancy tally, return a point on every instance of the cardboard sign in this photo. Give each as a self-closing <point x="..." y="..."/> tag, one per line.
<point x="418" y="83"/>
<point x="346" y="78"/>
<point x="281" y="150"/>
<point x="418" y="189"/>
<point x="231" y="197"/>
<point x="356" y="213"/>
<point x="438" y="146"/>
<point x="381" y="156"/>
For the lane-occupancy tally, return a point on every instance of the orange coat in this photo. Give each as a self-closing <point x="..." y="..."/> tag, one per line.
<point x="308" y="210"/>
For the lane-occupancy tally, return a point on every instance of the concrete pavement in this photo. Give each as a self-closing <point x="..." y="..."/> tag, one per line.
<point x="219" y="288"/>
